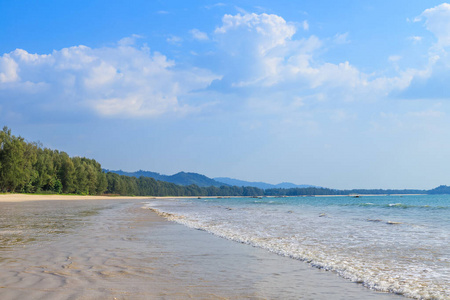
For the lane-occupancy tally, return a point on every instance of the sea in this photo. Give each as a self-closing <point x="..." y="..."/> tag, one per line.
<point x="395" y="243"/>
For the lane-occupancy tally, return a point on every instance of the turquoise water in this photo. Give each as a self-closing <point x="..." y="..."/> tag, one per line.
<point x="398" y="244"/>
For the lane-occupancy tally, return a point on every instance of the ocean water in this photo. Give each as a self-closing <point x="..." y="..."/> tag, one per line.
<point x="397" y="244"/>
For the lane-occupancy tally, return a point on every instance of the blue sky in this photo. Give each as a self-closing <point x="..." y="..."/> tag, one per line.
<point x="342" y="94"/>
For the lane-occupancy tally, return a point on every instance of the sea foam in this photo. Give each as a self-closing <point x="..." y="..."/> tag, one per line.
<point x="391" y="250"/>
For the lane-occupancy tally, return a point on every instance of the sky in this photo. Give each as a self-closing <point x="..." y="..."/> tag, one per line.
<point x="340" y="94"/>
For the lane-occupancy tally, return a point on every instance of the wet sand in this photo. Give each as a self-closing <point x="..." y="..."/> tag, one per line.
<point x="34" y="197"/>
<point x="116" y="249"/>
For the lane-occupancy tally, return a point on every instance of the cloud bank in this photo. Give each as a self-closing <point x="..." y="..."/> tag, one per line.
<point x="123" y="81"/>
<point x="261" y="55"/>
<point x="267" y="58"/>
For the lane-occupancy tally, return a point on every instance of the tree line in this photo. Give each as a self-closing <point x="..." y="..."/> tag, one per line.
<point x="30" y="168"/>
<point x="147" y="186"/>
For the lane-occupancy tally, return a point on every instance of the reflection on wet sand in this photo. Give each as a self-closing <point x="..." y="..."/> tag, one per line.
<point x="116" y="249"/>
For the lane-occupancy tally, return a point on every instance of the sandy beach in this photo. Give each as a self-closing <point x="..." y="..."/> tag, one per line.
<point x="59" y="248"/>
<point x="31" y="197"/>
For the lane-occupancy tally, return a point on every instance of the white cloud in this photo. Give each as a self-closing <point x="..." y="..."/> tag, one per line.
<point x="394" y="58"/>
<point x="258" y="53"/>
<point x="240" y="10"/>
<point x="438" y="22"/>
<point x="266" y="31"/>
<point x="8" y="69"/>
<point x="264" y="58"/>
<point x="198" y="35"/>
<point x="432" y="81"/>
<point x="267" y="56"/>
<point x="305" y="25"/>
<point x="130" y="40"/>
<point x="215" y="5"/>
<point x="341" y="38"/>
<point x="415" y="39"/>
<point x="121" y="81"/>
<point x="175" y="40"/>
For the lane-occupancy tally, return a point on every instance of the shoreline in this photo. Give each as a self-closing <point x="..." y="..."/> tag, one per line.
<point x="121" y="250"/>
<point x="14" y="197"/>
<point x="59" y="197"/>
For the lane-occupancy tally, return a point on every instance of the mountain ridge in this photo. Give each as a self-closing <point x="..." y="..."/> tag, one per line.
<point x="180" y="178"/>
<point x="188" y="178"/>
<point x="261" y="185"/>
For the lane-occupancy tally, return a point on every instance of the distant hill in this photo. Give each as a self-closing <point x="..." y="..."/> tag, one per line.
<point x="181" y="178"/>
<point x="442" y="189"/>
<point x="187" y="178"/>
<point x="261" y="185"/>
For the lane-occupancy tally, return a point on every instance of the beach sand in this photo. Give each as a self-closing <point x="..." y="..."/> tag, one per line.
<point x="116" y="249"/>
<point x="31" y="197"/>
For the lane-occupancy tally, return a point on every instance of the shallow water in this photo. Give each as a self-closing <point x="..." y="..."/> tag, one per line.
<point x="397" y="244"/>
<point x="116" y="249"/>
<point x="21" y="224"/>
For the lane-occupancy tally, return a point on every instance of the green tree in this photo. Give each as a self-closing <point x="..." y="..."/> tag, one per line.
<point x="66" y="173"/>
<point x="16" y="162"/>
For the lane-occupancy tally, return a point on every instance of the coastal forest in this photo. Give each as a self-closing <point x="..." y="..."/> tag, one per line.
<point x="28" y="167"/>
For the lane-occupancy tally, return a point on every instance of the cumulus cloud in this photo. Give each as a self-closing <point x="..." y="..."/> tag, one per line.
<point x="432" y="81"/>
<point x="124" y="80"/>
<point x="262" y="54"/>
<point x="265" y="31"/>
<point x="8" y="69"/>
<point x="438" y="22"/>
<point x="254" y="44"/>
<point x="267" y="56"/>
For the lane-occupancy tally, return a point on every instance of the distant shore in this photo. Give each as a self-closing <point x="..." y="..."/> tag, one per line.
<point x="39" y="197"/>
